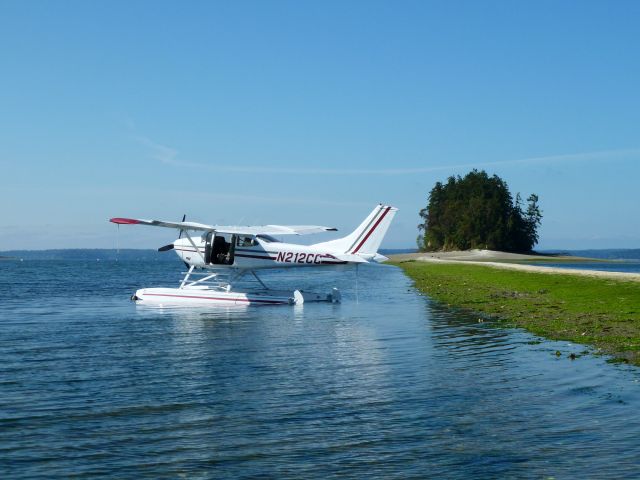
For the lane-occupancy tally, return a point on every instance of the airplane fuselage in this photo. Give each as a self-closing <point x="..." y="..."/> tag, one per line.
<point x="246" y="252"/>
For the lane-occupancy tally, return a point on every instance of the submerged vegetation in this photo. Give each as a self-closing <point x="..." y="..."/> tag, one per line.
<point x="478" y="211"/>
<point x="600" y="312"/>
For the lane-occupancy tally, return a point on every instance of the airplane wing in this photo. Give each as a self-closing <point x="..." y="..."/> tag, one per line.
<point x="249" y="230"/>
<point x="276" y="229"/>
<point x="162" y="223"/>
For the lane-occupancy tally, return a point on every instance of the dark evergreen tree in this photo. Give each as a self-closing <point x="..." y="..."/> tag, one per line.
<point x="478" y="211"/>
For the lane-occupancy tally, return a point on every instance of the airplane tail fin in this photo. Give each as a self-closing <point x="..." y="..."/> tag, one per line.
<point x="366" y="239"/>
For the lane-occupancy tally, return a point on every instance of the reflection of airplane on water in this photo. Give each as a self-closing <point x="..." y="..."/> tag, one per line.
<point x="221" y="255"/>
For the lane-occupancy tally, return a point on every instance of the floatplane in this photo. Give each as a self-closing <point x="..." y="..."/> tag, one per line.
<point x="218" y="256"/>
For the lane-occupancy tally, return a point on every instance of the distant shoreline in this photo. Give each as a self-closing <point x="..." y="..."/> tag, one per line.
<point x="512" y="261"/>
<point x="490" y="256"/>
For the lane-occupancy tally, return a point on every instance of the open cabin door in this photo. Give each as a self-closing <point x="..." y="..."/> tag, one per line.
<point x="219" y="249"/>
<point x="207" y="247"/>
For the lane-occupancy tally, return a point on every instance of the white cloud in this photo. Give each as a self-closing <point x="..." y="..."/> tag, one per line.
<point x="169" y="156"/>
<point x="162" y="153"/>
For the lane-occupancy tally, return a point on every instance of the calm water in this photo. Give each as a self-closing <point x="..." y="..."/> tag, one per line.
<point x="614" y="260"/>
<point x="393" y="386"/>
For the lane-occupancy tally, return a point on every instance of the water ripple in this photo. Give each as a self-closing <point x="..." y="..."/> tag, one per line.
<point x="386" y="385"/>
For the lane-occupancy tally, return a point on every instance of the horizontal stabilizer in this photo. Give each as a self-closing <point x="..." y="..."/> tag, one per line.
<point x="347" y="257"/>
<point x="361" y="257"/>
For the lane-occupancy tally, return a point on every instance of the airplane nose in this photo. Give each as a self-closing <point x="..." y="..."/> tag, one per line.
<point x="166" y="247"/>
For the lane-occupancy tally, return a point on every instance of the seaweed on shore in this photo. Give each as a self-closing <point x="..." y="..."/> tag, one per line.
<point x="600" y="312"/>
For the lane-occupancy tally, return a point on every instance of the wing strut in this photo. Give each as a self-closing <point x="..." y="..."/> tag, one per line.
<point x="194" y="246"/>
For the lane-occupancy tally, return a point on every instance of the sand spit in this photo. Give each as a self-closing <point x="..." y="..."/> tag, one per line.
<point x="503" y="260"/>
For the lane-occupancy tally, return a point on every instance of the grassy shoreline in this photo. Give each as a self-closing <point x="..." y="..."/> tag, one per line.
<point x="600" y="312"/>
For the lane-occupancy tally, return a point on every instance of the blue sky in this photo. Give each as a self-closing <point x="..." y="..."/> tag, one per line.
<point x="300" y="112"/>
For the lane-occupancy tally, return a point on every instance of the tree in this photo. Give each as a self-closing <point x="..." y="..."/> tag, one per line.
<point x="478" y="211"/>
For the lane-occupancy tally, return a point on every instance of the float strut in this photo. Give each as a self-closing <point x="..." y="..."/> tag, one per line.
<point x="258" y="278"/>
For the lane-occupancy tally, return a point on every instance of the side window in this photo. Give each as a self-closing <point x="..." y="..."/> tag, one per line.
<point x="245" y="242"/>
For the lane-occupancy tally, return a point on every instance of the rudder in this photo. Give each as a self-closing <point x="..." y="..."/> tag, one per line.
<point x="365" y="239"/>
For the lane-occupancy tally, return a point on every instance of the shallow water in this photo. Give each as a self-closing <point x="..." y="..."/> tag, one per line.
<point x="388" y="386"/>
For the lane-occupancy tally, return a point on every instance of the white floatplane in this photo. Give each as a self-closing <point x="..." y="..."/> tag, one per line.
<point x="220" y="255"/>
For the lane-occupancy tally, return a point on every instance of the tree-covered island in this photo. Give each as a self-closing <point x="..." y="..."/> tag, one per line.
<point x="580" y="306"/>
<point x="478" y="211"/>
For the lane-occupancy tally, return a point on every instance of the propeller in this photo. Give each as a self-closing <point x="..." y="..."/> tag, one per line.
<point x="184" y="217"/>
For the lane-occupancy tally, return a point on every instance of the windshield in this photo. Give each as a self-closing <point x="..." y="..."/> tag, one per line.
<point x="266" y="238"/>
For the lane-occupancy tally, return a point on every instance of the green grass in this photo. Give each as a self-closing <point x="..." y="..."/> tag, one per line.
<point x="595" y="311"/>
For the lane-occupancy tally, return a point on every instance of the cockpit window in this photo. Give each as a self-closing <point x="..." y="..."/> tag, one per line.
<point x="246" y="241"/>
<point x="267" y="238"/>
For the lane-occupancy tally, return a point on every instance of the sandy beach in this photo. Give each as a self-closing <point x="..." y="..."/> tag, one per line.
<point x="506" y="261"/>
